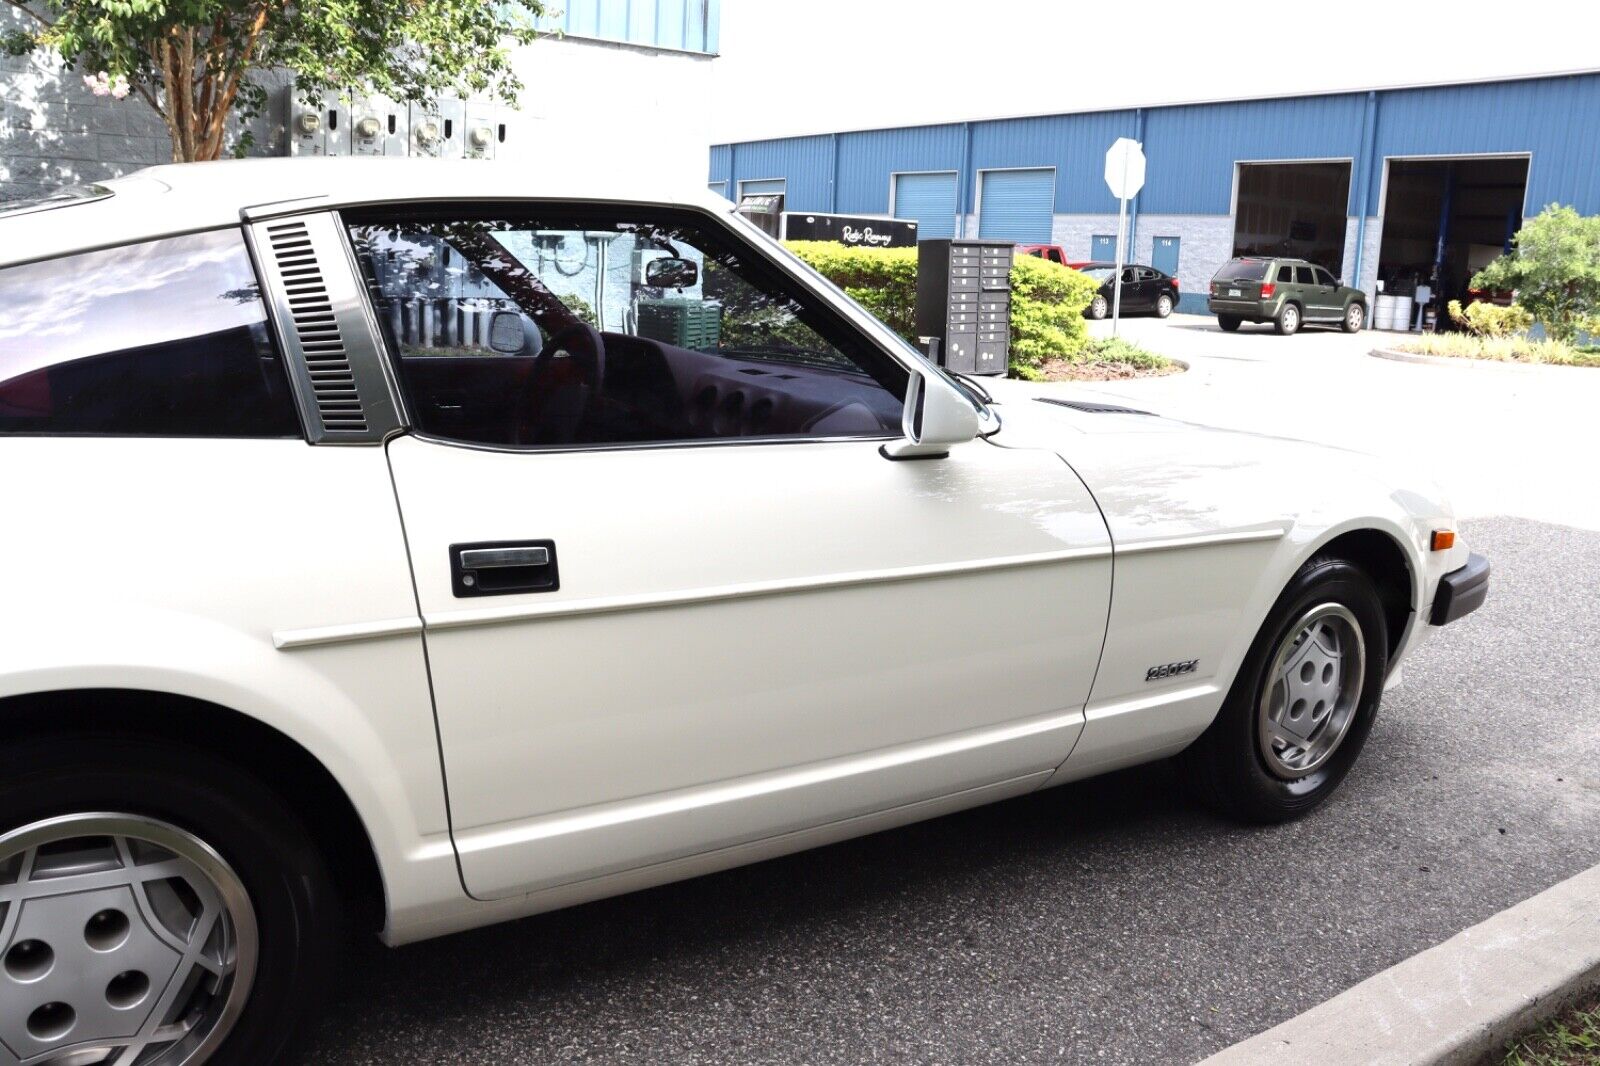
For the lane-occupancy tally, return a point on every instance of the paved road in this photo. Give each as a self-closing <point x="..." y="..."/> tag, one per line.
<point x="1105" y="922"/>
<point x="1502" y="440"/>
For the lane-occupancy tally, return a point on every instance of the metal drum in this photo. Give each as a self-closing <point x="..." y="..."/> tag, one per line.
<point x="1392" y="313"/>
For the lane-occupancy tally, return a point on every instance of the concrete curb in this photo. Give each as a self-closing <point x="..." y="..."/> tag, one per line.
<point x="1470" y="364"/>
<point x="1457" y="1002"/>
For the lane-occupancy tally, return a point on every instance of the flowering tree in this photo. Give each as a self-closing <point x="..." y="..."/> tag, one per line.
<point x="192" y="60"/>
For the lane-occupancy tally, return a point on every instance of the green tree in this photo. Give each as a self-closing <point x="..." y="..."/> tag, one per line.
<point x="192" y="60"/>
<point x="1554" y="266"/>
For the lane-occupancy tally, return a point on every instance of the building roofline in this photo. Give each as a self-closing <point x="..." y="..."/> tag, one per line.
<point x="1164" y="104"/>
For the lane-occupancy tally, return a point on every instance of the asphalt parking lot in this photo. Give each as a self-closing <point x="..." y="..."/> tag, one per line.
<point x="1109" y="921"/>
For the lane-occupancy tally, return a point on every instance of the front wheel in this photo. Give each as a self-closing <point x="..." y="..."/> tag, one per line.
<point x="1303" y="702"/>
<point x="1163" y="305"/>
<point x="1099" y="308"/>
<point x="172" y="911"/>
<point x="1355" y="316"/>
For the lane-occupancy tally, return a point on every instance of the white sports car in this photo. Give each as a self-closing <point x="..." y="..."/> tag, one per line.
<point x="412" y="546"/>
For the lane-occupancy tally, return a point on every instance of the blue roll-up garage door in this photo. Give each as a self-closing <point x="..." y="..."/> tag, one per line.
<point x="1016" y="205"/>
<point x="763" y="187"/>
<point x="930" y="199"/>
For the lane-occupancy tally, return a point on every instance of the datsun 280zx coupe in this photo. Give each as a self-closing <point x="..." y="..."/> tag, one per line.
<point x="410" y="546"/>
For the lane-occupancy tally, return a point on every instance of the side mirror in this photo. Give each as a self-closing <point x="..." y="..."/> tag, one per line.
<point x="671" y="273"/>
<point x="506" y="333"/>
<point x="936" y="417"/>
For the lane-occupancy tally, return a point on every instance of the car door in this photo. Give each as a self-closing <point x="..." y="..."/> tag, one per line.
<point x="1329" y="304"/>
<point x="712" y="612"/>
<point x="1131" y="300"/>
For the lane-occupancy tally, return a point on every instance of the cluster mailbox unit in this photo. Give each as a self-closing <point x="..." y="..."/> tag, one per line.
<point x="964" y="301"/>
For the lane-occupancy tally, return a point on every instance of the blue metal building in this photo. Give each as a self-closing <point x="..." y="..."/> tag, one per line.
<point x="1390" y="183"/>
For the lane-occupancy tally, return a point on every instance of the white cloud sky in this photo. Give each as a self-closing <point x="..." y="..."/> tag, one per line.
<point x="811" y="66"/>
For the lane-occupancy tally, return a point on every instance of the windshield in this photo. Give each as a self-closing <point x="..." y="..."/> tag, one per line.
<point x="1243" y="270"/>
<point x="1098" y="273"/>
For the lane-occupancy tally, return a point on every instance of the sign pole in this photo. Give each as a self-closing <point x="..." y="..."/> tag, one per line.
<point x="1124" y="177"/>
<point x="1116" y="289"/>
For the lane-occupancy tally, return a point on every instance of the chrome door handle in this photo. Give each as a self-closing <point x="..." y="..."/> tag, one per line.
<point x="503" y="568"/>
<point x="496" y="558"/>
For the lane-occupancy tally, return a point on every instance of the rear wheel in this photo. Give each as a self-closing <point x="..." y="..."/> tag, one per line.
<point x="168" y="909"/>
<point x="1355" y="316"/>
<point x="1163" y="305"/>
<point x="1229" y="323"/>
<point x="1303" y="702"/>
<point x="1099" y="307"/>
<point x="1288" y="320"/>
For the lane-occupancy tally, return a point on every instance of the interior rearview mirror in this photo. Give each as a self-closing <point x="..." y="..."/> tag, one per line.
<point x="671" y="273"/>
<point x="936" y="417"/>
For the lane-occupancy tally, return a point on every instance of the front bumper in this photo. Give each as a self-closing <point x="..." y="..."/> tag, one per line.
<point x="1461" y="591"/>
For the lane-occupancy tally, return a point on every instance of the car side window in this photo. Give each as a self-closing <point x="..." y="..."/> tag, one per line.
<point x="1054" y="255"/>
<point x="163" y="339"/>
<point x="1285" y="275"/>
<point x="1325" y="278"/>
<point x="551" y="326"/>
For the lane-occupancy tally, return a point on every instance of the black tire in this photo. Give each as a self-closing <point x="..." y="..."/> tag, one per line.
<point x="1163" y="305"/>
<point x="1099" y="308"/>
<point x="1229" y="323"/>
<point x="1355" y="317"/>
<point x="1288" y="321"/>
<point x="298" y="914"/>
<point x="1226" y="764"/>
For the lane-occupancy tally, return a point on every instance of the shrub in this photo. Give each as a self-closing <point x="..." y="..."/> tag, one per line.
<point x="1516" y="349"/>
<point x="883" y="280"/>
<point x="1047" y="304"/>
<point x="1490" y="320"/>
<point x="1555" y="270"/>
<point x="1047" y="299"/>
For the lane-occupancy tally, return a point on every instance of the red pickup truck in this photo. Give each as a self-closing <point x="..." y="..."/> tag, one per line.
<point x="1053" y="253"/>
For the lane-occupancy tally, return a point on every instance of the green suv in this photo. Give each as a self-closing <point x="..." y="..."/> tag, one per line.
<point x="1285" y="292"/>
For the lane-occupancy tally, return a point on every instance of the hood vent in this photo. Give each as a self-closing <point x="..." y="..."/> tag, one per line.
<point x="319" y="315"/>
<point x="1094" y="408"/>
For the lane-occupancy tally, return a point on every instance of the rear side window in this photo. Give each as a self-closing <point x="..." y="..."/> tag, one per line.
<point x="1243" y="270"/>
<point x="164" y="339"/>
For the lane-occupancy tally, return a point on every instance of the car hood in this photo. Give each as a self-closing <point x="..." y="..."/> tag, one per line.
<point x="1158" y="479"/>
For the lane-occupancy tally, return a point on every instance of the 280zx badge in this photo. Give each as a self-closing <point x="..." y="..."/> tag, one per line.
<point x="1156" y="673"/>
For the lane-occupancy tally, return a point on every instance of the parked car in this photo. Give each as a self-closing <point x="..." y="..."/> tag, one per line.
<point x="1052" y="253"/>
<point x="330" y="482"/>
<point x="1144" y="289"/>
<point x="1288" y="293"/>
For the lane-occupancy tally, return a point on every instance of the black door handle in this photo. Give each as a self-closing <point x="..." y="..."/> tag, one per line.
<point x="503" y="567"/>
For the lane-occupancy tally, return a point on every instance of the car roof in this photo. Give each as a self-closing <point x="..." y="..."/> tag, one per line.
<point x="189" y="197"/>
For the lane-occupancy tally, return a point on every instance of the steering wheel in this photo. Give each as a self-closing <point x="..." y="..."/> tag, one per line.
<point x="558" y="402"/>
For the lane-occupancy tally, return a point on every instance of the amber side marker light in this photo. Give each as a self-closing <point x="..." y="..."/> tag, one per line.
<point x="1442" y="539"/>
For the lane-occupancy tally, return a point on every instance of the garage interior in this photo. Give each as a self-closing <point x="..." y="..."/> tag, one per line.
<point x="1293" y="209"/>
<point x="1444" y="220"/>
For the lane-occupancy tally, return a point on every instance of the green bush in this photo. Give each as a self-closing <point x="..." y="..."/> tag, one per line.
<point x="1047" y="304"/>
<point x="1491" y="320"/>
<point x="1047" y="299"/>
<point x="1554" y="267"/>
<point x="883" y="280"/>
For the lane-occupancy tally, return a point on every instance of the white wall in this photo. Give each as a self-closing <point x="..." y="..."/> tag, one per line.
<point x="651" y="107"/>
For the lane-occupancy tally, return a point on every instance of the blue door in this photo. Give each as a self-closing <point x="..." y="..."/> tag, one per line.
<point x="1164" y="255"/>
<point x="1017" y="205"/>
<point x="930" y="199"/>
<point x="1103" y="248"/>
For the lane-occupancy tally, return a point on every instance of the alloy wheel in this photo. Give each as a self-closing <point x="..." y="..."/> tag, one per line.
<point x="1313" y="689"/>
<point x="123" y="940"/>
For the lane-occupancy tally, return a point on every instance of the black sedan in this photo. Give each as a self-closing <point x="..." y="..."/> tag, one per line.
<point x="1143" y="289"/>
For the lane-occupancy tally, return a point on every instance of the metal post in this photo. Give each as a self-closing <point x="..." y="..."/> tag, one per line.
<point x="1122" y="234"/>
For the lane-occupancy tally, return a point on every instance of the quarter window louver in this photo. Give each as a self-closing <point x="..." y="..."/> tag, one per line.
<point x="333" y="382"/>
